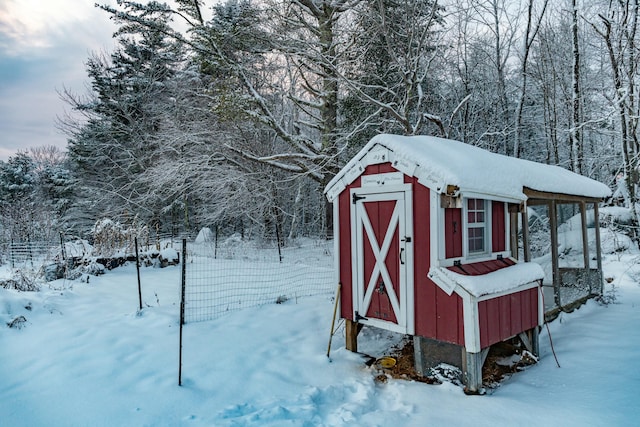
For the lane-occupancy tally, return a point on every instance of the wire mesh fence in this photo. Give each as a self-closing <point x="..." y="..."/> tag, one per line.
<point x="32" y="254"/>
<point x="234" y="274"/>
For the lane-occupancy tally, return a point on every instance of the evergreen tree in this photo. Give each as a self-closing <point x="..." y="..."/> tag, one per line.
<point x="130" y="105"/>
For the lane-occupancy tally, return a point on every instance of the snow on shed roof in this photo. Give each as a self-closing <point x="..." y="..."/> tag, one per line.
<point x="495" y="282"/>
<point x="438" y="163"/>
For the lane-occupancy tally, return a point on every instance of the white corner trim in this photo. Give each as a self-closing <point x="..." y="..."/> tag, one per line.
<point x="429" y="180"/>
<point x="378" y="154"/>
<point x="540" y="305"/>
<point x="405" y="166"/>
<point x="524" y="287"/>
<point x="335" y="190"/>
<point x="410" y="269"/>
<point x="436" y="229"/>
<point x="471" y="321"/>
<point x="356" y="170"/>
<point x="487" y="195"/>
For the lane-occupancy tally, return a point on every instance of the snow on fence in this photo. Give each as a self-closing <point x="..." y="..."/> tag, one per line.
<point x="220" y="277"/>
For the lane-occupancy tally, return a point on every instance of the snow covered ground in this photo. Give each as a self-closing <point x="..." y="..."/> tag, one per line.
<point x="86" y="357"/>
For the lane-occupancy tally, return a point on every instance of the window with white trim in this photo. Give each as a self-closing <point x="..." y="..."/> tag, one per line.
<point x="477" y="242"/>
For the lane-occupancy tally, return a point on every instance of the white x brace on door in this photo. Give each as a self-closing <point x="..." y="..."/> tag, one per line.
<point x="382" y="257"/>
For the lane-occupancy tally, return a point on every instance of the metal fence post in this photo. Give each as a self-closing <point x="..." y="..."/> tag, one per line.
<point x="215" y="248"/>
<point x="278" y="241"/>
<point x="64" y="255"/>
<point x="135" y="242"/>
<point x="182" y="290"/>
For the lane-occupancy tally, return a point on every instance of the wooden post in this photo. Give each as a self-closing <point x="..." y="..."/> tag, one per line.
<point x="585" y="235"/>
<point x="596" y="218"/>
<point x="535" y="341"/>
<point x="351" y="333"/>
<point x="531" y="340"/>
<point x="473" y="363"/>
<point x="553" y="224"/>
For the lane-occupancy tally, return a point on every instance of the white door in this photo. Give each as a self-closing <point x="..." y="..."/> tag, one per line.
<point x="382" y="257"/>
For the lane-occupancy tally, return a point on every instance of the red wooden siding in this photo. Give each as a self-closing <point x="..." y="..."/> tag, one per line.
<point x="437" y="315"/>
<point x="453" y="232"/>
<point x="424" y="292"/>
<point x="503" y="317"/>
<point x="379" y="168"/>
<point x="450" y="318"/>
<point x="498" y="225"/>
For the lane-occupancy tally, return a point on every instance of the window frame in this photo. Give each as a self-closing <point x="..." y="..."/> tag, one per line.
<point x="485" y="225"/>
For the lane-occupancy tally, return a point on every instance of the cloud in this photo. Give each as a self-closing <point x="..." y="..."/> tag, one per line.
<point x="29" y="24"/>
<point x="43" y="48"/>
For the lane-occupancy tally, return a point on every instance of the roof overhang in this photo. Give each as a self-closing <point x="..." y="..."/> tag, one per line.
<point x="535" y="196"/>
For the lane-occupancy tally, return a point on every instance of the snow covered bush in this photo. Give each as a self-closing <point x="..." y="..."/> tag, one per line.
<point x="24" y="280"/>
<point x="17" y="323"/>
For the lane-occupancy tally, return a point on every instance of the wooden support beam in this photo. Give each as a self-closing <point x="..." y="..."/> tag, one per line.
<point x="553" y="224"/>
<point x="473" y="363"/>
<point x="526" y="340"/>
<point x="530" y="339"/>
<point x="585" y="235"/>
<point x="352" y="329"/>
<point x="513" y="233"/>
<point x="535" y="341"/>
<point x="558" y="197"/>
<point x="596" y="218"/>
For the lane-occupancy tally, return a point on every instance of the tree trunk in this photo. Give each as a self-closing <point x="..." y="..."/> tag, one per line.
<point x="575" y="135"/>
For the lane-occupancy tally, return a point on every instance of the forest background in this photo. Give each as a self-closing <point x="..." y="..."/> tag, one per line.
<point x="234" y="115"/>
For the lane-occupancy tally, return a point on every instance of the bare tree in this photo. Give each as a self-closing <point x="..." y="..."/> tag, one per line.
<point x="617" y="28"/>
<point x="575" y="135"/>
<point x="529" y="36"/>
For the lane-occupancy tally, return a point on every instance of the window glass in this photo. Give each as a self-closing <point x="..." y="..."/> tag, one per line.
<point x="476" y="226"/>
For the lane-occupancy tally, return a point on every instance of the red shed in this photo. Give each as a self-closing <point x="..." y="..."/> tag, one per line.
<point x="425" y="246"/>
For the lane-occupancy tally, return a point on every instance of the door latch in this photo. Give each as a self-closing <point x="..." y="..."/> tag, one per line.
<point x="355" y="198"/>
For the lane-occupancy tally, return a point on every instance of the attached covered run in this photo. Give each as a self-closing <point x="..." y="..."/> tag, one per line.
<point x="427" y="244"/>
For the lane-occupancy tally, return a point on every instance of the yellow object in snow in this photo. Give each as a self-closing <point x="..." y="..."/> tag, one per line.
<point x="386" y="362"/>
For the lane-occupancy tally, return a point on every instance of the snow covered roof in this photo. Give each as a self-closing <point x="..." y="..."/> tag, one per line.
<point x="439" y="163"/>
